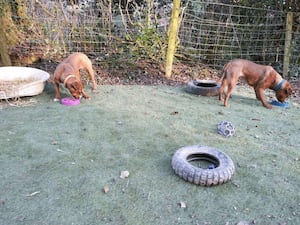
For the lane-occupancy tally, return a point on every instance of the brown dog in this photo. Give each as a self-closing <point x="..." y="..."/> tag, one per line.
<point x="67" y="72"/>
<point x="258" y="76"/>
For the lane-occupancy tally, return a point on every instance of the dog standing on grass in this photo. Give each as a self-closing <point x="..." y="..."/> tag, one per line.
<point x="67" y="72"/>
<point x="258" y="76"/>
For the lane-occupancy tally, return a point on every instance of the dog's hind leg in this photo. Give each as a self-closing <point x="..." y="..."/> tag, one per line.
<point x="223" y="85"/>
<point x="221" y="90"/>
<point x="228" y="93"/>
<point x="224" y="81"/>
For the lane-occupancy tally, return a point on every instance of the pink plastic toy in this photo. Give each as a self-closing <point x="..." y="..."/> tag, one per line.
<point x="70" y="101"/>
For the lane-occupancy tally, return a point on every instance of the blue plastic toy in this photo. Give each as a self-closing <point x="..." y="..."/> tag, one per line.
<point x="280" y="104"/>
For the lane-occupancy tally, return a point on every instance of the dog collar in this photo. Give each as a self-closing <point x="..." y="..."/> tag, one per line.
<point x="67" y="78"/>
<point x="279" y="86"/>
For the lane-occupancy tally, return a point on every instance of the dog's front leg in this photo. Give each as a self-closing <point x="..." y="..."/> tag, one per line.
<point x="85" y="95"/>
<point x="260" y="95"/>
<point x="89" y="68"/>
<point x="92" y="76"/>
<point x="57" y="93"/>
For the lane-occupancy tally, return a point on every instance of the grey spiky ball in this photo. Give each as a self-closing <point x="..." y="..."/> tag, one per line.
<point x="226" y="128"/>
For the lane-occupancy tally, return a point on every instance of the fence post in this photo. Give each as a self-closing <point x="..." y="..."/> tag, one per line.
<point x="173" y="31"/>
<point x="287" y="44"/>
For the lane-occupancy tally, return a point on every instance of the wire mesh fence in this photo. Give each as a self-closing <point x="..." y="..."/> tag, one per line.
<point x="210" y="33"/>
<point x="69" y="28"/>
<point x="215" y="33"/>
<point x="101" y="29"/>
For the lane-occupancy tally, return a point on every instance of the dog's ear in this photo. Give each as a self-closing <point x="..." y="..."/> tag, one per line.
<point x="76" y="85"/>
<point x="288" y="91"/>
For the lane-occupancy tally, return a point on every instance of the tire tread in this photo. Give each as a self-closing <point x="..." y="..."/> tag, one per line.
<point x="203" y="177"/>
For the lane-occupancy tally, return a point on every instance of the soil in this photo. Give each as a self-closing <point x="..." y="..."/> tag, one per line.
<point x="115" y="69"/>
<point x="148" y="72"/>
<point x="142" y="72"/>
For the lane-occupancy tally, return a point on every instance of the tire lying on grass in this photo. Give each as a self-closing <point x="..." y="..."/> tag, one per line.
<point x="221" y="171"/>
<point x="203" y="87"/>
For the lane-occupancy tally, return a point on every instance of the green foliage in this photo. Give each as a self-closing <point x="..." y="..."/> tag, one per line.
<point x="150" y="43"/>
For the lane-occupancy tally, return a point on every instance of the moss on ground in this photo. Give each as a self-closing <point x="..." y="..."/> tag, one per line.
<point x="56" y="160"/>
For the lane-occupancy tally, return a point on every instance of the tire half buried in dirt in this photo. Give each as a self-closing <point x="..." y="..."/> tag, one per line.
<point x="203" y="87"/>
<point x="220" y="173"/>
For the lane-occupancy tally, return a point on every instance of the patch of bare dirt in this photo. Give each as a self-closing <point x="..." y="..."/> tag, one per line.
<point x="296" y="90"/>
<point x="141" y="72"/>
<point x="147" y="72"/>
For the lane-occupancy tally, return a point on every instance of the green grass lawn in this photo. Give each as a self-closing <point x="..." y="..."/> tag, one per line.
<point x="55" y="161"/>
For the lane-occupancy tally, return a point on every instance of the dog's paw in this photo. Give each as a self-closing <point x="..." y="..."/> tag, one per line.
<point x="86" y="96"/>
<point x="56" y="99"/>
<point x="268" y="106"/>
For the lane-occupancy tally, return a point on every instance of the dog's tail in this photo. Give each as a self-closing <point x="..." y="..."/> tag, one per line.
<point x="225" y="67"/>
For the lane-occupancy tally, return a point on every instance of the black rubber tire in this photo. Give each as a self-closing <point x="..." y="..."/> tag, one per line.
<point x="203" y="87"/>
<point x="204" y="177"/>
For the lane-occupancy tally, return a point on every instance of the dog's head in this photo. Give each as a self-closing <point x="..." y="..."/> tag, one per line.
<point x="76" y="89"/>
<point x="284" y="92"/>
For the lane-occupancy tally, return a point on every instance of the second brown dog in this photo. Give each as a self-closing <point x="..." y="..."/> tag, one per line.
<point x="260" y="77"/>
<point x="67" y="72"/>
